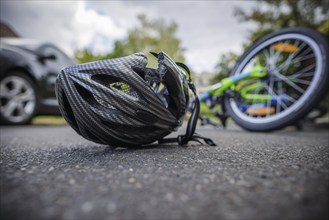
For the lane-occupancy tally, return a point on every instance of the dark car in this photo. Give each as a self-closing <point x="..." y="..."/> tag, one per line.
<point x="28" y="72"/>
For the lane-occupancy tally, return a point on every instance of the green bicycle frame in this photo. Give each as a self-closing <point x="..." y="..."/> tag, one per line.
<point x="231" y="82"/>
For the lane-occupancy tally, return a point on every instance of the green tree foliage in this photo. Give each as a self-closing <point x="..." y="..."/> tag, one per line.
<point x="85" y="55"/>
<point x="149" y="35"/>
<point x="272" y="15"/>
<point x="223" y="68"/>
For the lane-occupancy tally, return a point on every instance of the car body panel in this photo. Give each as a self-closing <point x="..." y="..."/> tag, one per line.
<point x="26" y="57"/>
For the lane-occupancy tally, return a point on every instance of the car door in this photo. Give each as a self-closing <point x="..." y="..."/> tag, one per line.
<point x="54" y="60"/>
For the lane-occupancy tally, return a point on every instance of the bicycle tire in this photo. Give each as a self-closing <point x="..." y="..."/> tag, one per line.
<point x="318" y="86"/>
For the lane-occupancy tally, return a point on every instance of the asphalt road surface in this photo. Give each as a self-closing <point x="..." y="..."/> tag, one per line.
<point x="49" y="172"/>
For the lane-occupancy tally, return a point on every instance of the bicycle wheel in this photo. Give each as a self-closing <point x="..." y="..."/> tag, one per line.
<point x="296" y="60"/>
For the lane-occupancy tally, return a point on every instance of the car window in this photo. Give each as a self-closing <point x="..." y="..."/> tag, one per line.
<point x="61" y="61"/>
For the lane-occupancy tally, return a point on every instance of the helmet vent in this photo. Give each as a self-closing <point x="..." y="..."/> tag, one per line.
<point x="120" y="86"/>
<point x="125" y="88"/>
<point x="111" y="82"/>
<point x="91" y="99"/>
<point x="140" y="70"/>
<point x="104" y="79"/>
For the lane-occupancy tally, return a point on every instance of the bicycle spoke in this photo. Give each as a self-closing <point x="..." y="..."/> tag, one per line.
<point x="269" y="101"/>
<point x="272" y="93"/>
<point x="278" y="53"/>
<point x="266" y="54"/>
<point x="254" y="100"/>
<point x="302" y="71"/>
<point x="301" y="81"/>
<point x="291" y="59"/>
<point x="278" y="103"/>
<point x="294" y="55"/>
<point x="309" y="56"/>
<point x="307" y="74"/>
<point x="270" y="59"/>
<point x="301" y="57"/>
<point x="288" y="81"/>
<point x="287" y="62"/>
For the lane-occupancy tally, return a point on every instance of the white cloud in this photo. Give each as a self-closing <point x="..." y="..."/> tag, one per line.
<point x="207" y="29"/>
<point x="96" y="31"/>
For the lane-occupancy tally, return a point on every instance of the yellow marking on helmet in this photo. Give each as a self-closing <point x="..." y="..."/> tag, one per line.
<point x="123" y="87"/>
<point x="285" y="47"/>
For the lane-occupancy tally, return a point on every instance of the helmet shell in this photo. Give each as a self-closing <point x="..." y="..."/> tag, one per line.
<point x="109" y="102"/>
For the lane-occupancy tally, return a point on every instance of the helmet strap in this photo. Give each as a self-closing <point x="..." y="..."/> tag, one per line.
<point x="190" y="134"/>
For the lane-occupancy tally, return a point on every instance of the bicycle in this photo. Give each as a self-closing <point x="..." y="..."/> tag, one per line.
<point x="275" y="83"/>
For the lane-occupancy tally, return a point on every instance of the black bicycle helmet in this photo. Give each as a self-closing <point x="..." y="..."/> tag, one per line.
<point x="121" y="102"/>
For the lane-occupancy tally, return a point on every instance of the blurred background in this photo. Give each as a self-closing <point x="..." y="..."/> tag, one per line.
<point x="38" y="38"/>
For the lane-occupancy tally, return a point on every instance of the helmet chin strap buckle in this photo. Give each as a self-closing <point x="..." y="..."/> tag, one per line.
<point x="190" y="134"/>
<point x="182" y="140"/>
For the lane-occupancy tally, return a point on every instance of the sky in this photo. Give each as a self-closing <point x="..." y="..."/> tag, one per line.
<point x="207" y="29"/>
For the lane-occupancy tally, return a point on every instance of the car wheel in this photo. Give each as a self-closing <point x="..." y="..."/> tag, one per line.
<point x="18" y="99"/>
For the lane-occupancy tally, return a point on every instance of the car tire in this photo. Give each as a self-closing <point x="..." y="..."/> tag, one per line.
<point x="18" y="99"/>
